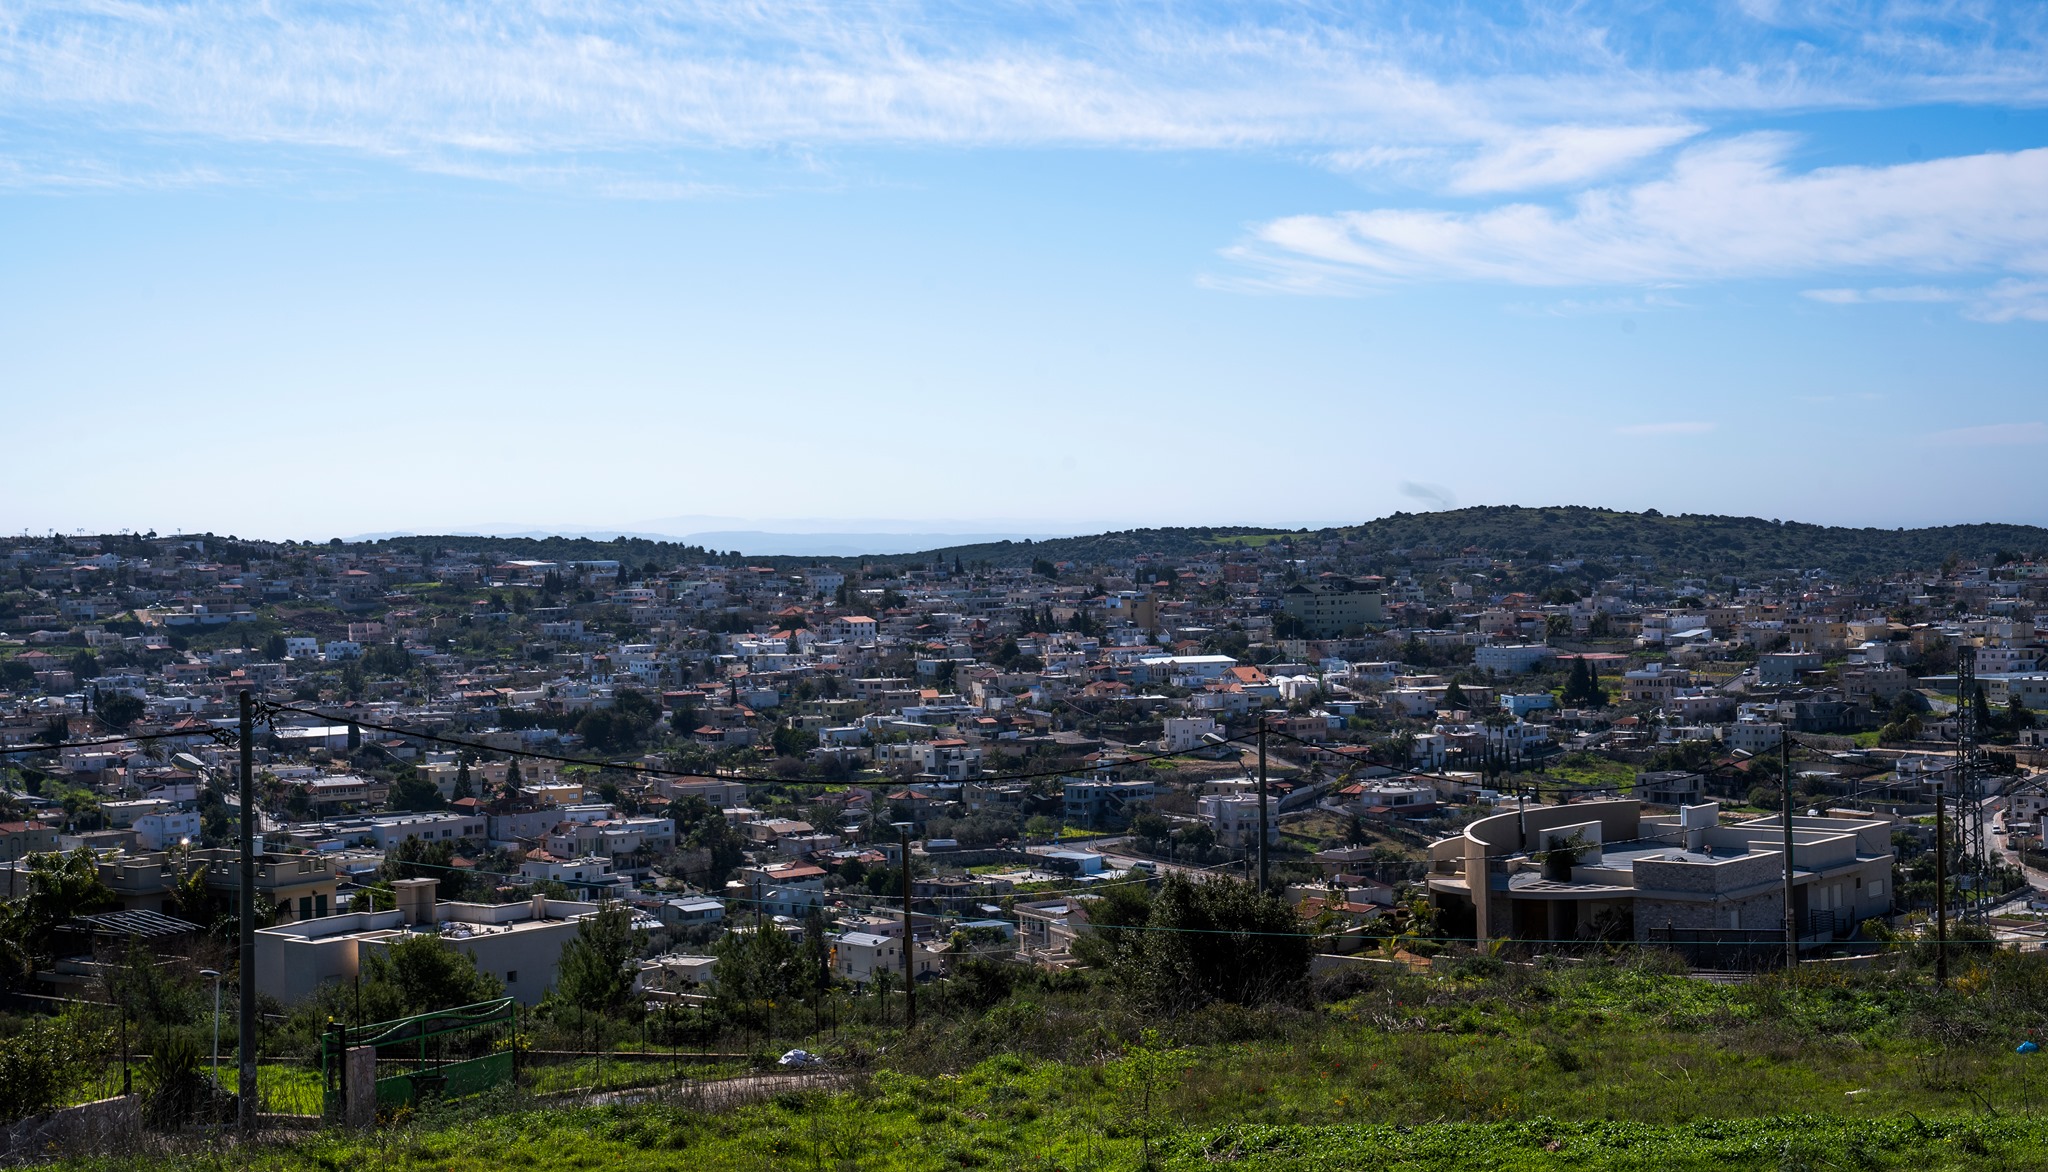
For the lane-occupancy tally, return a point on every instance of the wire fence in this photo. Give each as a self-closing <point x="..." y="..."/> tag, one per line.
<point x="284" y="1086"/>
<point x="676" y="1053"/>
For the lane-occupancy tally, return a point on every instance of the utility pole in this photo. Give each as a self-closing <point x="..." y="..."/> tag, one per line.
<point x="1785" y="788"/>
<point x="1263" y="882"/>
<point x="246" y="1030"/>
<point x="909" y="939"/>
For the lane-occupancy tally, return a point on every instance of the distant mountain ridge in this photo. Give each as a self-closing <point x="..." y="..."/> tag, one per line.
<point x="1677" y="542"/>
<point x="750" y="542"/>
<point x="1687" y="541"/>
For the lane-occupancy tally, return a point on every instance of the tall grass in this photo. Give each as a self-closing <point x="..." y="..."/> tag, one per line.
<point x="1617" y="1062"/>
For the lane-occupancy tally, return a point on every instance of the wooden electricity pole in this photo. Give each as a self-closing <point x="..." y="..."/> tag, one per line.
<point x="909" y="942"/>
<point x="246" y="1035"/>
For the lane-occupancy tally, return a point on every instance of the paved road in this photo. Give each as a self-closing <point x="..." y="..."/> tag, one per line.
<point x="2036" y="878"/>
<point x="719" y="1094"/>
<point x="1161" y="866"/>
<point x="1126" y="861"/>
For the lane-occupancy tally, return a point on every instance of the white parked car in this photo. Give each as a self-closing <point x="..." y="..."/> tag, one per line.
<point x="800" y="1059"/>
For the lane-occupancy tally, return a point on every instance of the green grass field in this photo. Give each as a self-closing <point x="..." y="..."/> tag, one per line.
<point x="288" y="1090"/>
<point x="1253" y="540"/>
<point x="1053" y="1119"/>
<point x="1582" y="1065"/>
<point x="285" y="1089"/>
<point x="1584" y="769"/>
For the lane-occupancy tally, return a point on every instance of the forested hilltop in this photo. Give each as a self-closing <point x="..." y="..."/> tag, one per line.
<point x="1677" y="542"/>
<point x="1696" y="540"/>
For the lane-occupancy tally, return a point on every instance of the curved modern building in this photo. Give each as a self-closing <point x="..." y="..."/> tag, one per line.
<point x="1606" y="870"/>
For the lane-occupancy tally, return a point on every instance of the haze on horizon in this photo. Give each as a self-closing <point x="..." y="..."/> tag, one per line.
<point x="302" y="273"/>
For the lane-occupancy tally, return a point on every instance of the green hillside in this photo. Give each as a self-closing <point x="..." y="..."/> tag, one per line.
<point x="1679" y="542"/>
<point x="1676" y="543"/>
<point x="1697" y="541"/>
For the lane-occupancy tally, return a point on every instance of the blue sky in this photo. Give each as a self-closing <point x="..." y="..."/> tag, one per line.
<point x="298" y="270"/>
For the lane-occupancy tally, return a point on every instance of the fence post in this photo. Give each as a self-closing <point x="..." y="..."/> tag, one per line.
<point x="333" y="1070"/>
<point x="359" y="1086"/>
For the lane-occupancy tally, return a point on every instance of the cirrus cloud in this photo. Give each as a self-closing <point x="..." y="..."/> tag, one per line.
<point x="2011" y="300"/>
<point x="1991" y="435"/>
<point x="2008" y="300"/>
<point x="1881" y="294"/>
<point x="1726" y="210"/>
<point x="1547" y="94"/>
<point x="1554" y="156"/>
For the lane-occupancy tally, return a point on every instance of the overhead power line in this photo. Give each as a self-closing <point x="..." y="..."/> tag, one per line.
<point x="219" y="736"/>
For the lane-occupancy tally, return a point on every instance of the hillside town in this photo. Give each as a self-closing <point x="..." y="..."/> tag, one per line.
<point x="490" y="748"/>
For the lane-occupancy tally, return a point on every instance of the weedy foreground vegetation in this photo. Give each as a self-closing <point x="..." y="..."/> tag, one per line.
<point x="1614" y="1062"/>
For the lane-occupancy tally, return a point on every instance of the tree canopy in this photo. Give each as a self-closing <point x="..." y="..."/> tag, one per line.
<point x="419" y="974"/>
<point x="595" y="973"/>
<point x="1194" y="943"/>
<point x="759" y="969"/>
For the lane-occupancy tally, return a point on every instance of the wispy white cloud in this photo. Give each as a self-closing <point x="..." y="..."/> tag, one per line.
<point x="2008" y="300"/>
<point x="1881" y="294"/>
<point x="1554" y="156"/>
<point x="536" y="75"/>
<point x="2011" y="300"/>
<point x="1563" y="93"/>
<point x="1587" y="307"/>
<point x="1727" y="209"/>
<point x="1383" y="158"/>
<point x="1680" y="427"/>
<point x="1992" y="435"/>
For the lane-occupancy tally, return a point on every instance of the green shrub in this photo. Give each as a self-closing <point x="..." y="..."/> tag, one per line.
<point x="32" y="1075"/>
<point x="180" y="1092"/>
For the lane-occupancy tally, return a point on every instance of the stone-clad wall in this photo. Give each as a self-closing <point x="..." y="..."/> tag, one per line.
<point x="1654" y="875"/>
<point x="1758" y="911"/>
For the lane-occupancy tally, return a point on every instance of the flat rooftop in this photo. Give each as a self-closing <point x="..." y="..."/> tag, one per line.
<point x="1626" y="855"/>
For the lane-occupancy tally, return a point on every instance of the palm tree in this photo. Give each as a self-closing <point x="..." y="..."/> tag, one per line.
<point x="59" y="887"/>
<point x="195" y="901"/>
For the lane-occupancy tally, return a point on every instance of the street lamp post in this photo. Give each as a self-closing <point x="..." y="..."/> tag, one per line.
<point x="1265" y="884"/>
<point x="216" y="1022"/>
<point x="909" y="934"/>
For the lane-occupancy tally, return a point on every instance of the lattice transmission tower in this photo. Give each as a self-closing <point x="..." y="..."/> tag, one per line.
<point x="1973" y="846"/>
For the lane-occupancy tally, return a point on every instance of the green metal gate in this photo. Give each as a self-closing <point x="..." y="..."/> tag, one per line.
<point x="447" y="1054"/>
